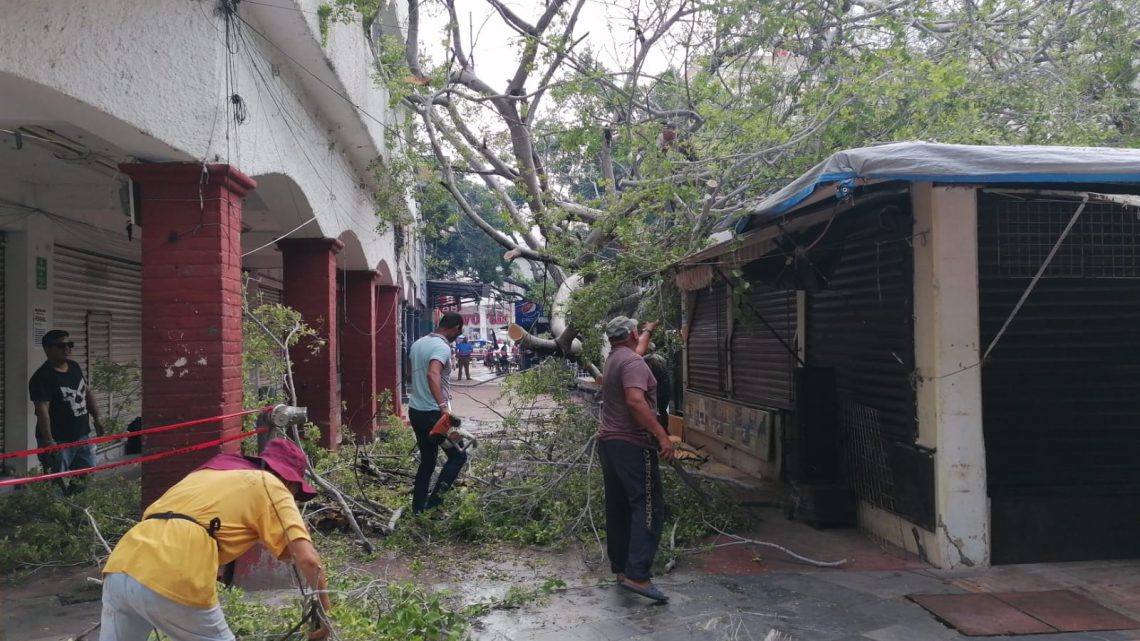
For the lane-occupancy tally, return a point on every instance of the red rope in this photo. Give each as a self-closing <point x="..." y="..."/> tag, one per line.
<point x="112" y="437"/>
<point x="144" y="459"/>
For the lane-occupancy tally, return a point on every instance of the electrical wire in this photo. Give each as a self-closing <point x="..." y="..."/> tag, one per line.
<point x="301" y="147"/>
<point x="281" y="237"/>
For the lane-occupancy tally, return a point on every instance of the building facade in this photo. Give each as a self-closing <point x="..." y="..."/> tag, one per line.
<point x="161" y="158"/>
<point x="937" y="335"/>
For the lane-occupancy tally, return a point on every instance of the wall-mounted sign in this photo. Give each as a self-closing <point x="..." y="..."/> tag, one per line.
<point x="39" y="324"/>
<point x="41" y="272"/>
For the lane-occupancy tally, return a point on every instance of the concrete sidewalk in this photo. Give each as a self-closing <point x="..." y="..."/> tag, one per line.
<point x="743" y="592"/>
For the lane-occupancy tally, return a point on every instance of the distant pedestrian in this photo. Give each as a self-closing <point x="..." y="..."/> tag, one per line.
<point x="504" y="361"/>
<point x="64" y="407"/>
<point x="630" y="443"/>
<point x="430" y="358"/>
<point x="463" y="352"/>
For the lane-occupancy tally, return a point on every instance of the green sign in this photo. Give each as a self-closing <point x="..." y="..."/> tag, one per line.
<point x="41" y="273"/>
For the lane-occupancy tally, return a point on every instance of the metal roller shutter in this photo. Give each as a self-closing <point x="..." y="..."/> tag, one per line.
<point x="762" y="366"/>
<point x="708" y="362"/>
<point x="861" y="325"/>
<point x="1061" y="390"/>
<point x="270" y="296"/>
<point x="98" y="300"/>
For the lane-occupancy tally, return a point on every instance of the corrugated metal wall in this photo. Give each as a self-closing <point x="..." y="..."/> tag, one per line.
<point x="762" y="366"/>
<point x="705" y="347"/>
<point x="1061" y="390"/>
<point x="98" y="300"/>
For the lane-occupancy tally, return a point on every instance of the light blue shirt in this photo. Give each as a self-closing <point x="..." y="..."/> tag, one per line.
<point x="432" y="347"/>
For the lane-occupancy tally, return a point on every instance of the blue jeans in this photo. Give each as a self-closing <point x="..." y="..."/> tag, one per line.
<point x="422" y="422"/>
<point x="81" y="457"/>
<point x="131" y="611"/>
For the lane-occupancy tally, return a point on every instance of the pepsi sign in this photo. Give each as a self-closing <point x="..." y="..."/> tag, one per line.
<point x="526" y="313"/>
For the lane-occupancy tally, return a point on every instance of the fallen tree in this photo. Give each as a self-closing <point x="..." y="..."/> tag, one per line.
<point x="616" y="136"/>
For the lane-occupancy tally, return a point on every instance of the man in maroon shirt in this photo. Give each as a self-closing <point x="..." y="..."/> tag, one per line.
<point x="630" y="440"/>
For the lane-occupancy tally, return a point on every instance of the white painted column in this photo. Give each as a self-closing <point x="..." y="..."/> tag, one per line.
<point x="949" y="378"/>
<point x="484" y="328"/>
<point x="28" y="307"/>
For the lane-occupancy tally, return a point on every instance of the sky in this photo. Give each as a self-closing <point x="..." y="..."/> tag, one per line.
<point x="607" y="26"/>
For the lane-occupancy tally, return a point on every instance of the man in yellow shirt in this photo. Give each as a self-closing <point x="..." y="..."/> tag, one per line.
<point x="162" y="574"/>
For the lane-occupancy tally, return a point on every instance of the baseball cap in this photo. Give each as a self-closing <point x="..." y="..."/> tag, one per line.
<point x="620" y="327"/>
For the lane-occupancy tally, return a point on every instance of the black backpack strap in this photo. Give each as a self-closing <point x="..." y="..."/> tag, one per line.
<point x="212" y="530"/>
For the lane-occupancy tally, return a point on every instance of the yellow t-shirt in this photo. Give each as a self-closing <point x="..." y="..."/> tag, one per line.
<point x="179" y="560"/>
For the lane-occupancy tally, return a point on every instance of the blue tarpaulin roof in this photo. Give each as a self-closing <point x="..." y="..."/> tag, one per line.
<point x="942" y="163"/>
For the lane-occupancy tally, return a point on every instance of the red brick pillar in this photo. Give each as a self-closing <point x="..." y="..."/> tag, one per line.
<point x="310" y="288"/>
<point x="358" y="353"/>
<point x="191" y="310"/>
<point x="388" y="343"/>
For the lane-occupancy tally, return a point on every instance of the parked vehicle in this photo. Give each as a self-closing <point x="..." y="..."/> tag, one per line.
<point x="481" y="345"/>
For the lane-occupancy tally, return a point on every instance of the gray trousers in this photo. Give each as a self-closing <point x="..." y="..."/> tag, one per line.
<point x="131" y="611"/>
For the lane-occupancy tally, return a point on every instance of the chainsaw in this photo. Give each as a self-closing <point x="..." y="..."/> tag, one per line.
<point x="448" y="433"/>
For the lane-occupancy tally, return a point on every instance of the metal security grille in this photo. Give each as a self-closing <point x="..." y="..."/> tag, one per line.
<point x="860" y="324"/>
<point x="1102" y="244"/>
<point x="1061" y="390"/>
<point x="864" y="453"/>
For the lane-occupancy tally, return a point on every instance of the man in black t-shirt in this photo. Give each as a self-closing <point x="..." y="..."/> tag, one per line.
<point x="63" y="403"/>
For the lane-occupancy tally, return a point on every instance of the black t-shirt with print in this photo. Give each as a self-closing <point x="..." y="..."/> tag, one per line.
<point x="67" y="394"/>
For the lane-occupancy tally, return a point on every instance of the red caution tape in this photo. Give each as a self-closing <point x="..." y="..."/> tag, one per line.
<point x="144" y="459"/>
<point x="112" y="437"/>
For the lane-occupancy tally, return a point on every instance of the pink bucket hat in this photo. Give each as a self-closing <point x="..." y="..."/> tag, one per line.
<point x="283" y="457"/>
<point x="288" y="461"/>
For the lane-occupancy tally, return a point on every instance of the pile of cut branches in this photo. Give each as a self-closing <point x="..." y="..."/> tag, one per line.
<point x="533" y="479"/>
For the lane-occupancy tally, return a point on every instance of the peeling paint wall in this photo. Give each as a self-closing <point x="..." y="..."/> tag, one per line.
<point x="949" y="392"/>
